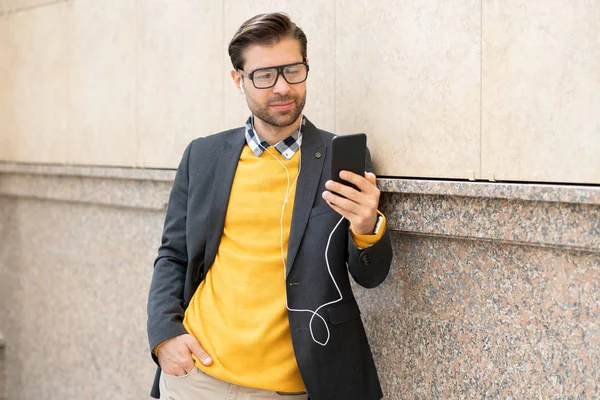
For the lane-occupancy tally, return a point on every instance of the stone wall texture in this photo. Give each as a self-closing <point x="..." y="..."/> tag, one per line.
<point x="493" y="291"/>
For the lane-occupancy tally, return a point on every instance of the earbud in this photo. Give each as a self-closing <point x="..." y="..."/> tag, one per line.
<point x="242" y="88"/>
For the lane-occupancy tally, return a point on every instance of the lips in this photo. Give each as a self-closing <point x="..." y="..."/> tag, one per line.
<point x="282" y="106"/>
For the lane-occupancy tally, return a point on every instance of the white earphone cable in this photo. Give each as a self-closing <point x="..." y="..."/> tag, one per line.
<point x="288" y="192"/>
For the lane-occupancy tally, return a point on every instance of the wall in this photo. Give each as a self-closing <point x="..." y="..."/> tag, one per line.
<point x="75" y="267"/>
<point x="493" y="290"/>
<point x="465" y="89"/>
<point x="494" y="286"/>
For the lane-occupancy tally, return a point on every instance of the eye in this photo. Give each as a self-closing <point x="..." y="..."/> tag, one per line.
<point x="290" y="71"/>
<point x="263" y="75"/>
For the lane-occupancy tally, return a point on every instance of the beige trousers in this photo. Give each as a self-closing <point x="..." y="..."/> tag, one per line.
<point x="196" y="385"/>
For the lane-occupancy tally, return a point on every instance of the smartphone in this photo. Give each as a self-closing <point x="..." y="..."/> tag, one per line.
<point x="349" y="153"/>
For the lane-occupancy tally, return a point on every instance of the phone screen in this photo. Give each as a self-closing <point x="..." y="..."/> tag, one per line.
<point x="349" y="154"/>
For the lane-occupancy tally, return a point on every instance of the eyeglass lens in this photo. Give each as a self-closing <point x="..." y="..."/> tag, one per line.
<point x="264" y="78"/>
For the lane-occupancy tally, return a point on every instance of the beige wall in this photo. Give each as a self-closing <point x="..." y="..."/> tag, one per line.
<point x="461" y="89"/>
<point x="541" y="90"/>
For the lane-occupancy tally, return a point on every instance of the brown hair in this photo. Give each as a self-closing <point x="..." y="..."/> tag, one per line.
<point x="264" y="29"/>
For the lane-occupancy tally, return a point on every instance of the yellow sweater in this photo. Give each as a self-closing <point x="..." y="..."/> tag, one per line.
<point x="238" y="312"/>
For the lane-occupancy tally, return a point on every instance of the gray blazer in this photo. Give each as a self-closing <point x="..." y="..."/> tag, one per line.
<point x="344" y="369"/>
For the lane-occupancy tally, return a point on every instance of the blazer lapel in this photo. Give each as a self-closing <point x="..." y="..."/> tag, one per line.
<point x="312" y="158"/>
<point x="225" y="171"/>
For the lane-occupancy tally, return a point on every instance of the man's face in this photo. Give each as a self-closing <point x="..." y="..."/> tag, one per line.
<point x="282" y="104"/>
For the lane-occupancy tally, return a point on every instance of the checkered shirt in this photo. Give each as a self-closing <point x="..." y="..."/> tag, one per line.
<point x="287" y="147"/>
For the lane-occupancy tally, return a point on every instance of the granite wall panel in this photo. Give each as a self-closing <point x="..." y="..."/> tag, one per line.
<point x="462" y="314"/>
<point x="74" y="312"/>
<point x="9" y="285"/>
<point x="473" y="319"/>
<point x="148" y="195"/>
<point x="507" y="220"/>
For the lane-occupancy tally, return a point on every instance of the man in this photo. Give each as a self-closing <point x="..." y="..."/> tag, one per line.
<point x="250" y="297"/>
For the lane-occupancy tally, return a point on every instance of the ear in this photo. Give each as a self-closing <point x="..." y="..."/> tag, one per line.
<point x="237" y="80"/>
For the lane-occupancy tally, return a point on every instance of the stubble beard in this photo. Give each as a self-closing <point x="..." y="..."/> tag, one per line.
<point x="276" y="118"/>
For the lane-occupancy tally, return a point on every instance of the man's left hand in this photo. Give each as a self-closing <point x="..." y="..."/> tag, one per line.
<point x="358" y="207"/>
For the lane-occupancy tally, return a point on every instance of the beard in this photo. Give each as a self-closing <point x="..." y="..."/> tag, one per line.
<point x="274" y="117"/>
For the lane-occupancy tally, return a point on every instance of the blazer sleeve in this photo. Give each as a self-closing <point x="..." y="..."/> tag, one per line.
<point x="369" y="267"/>
<point x="165" y="298"/>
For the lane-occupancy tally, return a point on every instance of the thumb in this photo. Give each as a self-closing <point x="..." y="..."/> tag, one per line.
<point x="198" y="351"/>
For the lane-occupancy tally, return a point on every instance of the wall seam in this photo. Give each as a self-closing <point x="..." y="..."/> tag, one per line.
<point x="508" y="242"/>
<point x="223" y="63"/>
<point x="335" y="127"/>
<point x="69" y="70"/>
<point x="139" y="159"/>
<point x="18" y="9"/>
<point x="481" y="90"/>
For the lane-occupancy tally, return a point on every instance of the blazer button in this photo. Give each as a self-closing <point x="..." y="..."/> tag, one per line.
<point x="366" y="259"/>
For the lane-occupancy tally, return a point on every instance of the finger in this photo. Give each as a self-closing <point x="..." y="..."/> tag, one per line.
<point x="181" y="372"/>
<point x="371" y="178"/>
<point x="198" y="351"/>
<point x="188" y="368"/>
<point x="173" y="369"/>
<point x="344" y="190"/>
<point x="344" y="213"/>
<point x="346" y="204"/>
<point x="371" y="198"/>
<point x="359" y="181"/>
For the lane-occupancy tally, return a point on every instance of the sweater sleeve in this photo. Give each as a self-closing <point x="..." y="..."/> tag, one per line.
<point x="364" y="241"/>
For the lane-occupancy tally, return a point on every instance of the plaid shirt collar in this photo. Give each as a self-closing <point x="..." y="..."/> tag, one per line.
<point x="287" y="147"/>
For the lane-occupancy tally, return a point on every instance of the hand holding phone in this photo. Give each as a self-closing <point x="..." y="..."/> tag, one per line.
<point x="359" y="208"/>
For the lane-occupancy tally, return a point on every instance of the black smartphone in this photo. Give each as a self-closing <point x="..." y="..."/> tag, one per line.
<point x="349" y="153"/>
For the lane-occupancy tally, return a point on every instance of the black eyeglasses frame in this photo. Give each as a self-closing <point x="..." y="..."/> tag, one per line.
<point x="279" y="69"/>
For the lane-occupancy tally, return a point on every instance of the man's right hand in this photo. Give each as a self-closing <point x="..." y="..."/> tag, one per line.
<point x="175" y="355"/>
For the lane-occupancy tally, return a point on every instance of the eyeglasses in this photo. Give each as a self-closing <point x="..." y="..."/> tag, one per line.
<point x="264" y="78"/>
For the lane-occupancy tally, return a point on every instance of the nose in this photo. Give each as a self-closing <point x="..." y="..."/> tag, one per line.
<point x="281" y="86"/>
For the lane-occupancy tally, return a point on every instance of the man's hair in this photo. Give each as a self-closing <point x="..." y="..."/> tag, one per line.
<point x="264" y="29"/>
